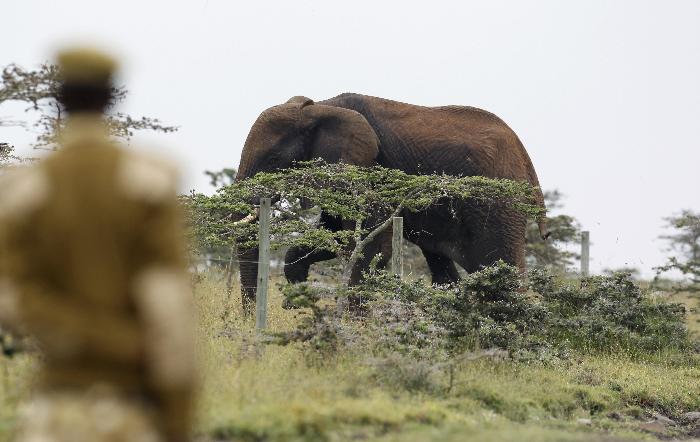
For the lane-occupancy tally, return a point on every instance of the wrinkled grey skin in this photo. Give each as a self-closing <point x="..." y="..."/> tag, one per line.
<point x="366" y="131"/>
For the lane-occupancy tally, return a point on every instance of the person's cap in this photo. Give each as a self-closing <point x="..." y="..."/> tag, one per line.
<point x="84" y="65"/>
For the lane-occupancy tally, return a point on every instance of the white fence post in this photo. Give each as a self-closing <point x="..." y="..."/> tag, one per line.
<point x="263" y="265"/>
<point x="397" y="247"/>
<point x="585" y="253"/>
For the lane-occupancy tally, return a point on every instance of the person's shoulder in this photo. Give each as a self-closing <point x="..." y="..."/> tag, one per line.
<point x="146" y="176"/>
<point x="23" y="189"/>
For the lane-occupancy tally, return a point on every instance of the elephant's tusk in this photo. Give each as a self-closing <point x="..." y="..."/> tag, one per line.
<point x="252" y="217"/>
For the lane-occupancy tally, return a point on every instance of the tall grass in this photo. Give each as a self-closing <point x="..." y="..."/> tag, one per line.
<point x="256" y="392"/>
<point x="252" y="391"/>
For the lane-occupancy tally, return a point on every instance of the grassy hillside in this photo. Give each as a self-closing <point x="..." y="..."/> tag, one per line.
<point x="256" y="392"/>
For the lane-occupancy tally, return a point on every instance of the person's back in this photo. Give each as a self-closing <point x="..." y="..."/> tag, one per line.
<point x="94" y="252"/>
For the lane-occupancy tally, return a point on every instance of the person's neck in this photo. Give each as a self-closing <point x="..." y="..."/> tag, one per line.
<point x="81" y="125"/>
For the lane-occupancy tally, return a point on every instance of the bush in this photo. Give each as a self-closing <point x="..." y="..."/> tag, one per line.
<point x="498" y="310"/>
<point x="493" y="308"/>
<point x="608" y="313"/>
<point x="321" y="330"/>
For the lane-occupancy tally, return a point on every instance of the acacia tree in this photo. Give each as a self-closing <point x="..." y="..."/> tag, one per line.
<point x="222" y="177"/>
<point x="564" y="230"/>
<point x="685" y="242"/>
<point x="38" y="88"/>
<point x="8" y="155"/>
<point x="370" y="197"/>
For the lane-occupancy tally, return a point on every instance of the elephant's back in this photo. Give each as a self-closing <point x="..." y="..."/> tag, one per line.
<point x="456" y="140"/>
<point x="464" y="117"/>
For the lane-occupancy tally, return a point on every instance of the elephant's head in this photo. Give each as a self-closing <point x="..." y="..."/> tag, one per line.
<point x="300" y="130"/>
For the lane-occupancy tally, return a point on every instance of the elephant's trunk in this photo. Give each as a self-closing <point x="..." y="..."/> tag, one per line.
<point x="247" y="257"/>
<point x="248" y="265"/>
<point x="542" y="218"/>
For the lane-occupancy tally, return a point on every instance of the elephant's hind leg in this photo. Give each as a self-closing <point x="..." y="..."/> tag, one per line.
<point x="298" y="260"/>
<point x="442" y="268"/>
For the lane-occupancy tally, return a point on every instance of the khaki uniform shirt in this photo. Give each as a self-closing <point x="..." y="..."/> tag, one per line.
<point x="93" y="258"/>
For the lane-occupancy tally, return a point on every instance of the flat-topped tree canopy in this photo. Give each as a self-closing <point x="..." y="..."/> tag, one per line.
<point x="40" y="87"/>
<point x="369" y="196"/>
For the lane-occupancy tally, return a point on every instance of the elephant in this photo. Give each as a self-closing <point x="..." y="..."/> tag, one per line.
<point x="367" y="131"/>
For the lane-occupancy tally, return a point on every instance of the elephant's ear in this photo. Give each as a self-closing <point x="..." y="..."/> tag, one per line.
<point x="340" y="135"/>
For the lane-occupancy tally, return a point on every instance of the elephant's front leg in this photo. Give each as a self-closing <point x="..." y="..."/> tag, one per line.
<point x="443" y="268"/>
<point x="298" y="260"/>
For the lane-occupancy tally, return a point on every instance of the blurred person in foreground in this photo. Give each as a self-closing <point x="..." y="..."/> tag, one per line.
<point x="94" y="271"/>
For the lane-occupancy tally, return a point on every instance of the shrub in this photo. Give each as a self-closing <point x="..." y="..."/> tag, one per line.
<point x="492" y="308"/>
<point x="609" y="313"/>
<point x="321" y="330"/>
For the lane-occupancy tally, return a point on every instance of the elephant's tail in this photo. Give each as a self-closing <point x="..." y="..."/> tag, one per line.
<point x="539" y="200"/>
<point x="539" y="196"/>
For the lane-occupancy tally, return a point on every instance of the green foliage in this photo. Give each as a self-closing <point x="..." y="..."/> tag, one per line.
<point x="321" y="330"/>
<point x="8" y="156"/>
<point x="34" y="87"/>
<point x="501" y="313"/>
<point x="685" y="241"/>
<point x="492" y="309"/>
<point x="367" y="196"/>
<point x="565" y="232"/>
<point x="212" y="253"/>
<point x="222" y="177"/>
<point x="355" y="192"/>
<point x="610" y="313"/>
<point x="409" y="318"/>
<point x="487" y="309"/>
<point x="39" y="88"/>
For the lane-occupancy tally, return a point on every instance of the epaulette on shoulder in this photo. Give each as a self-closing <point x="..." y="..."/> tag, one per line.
<point x="146" y="176"/>
<point x="23" y="189"/>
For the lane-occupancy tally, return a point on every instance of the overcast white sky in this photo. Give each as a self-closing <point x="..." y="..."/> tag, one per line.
<point x="604" y="94"/>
